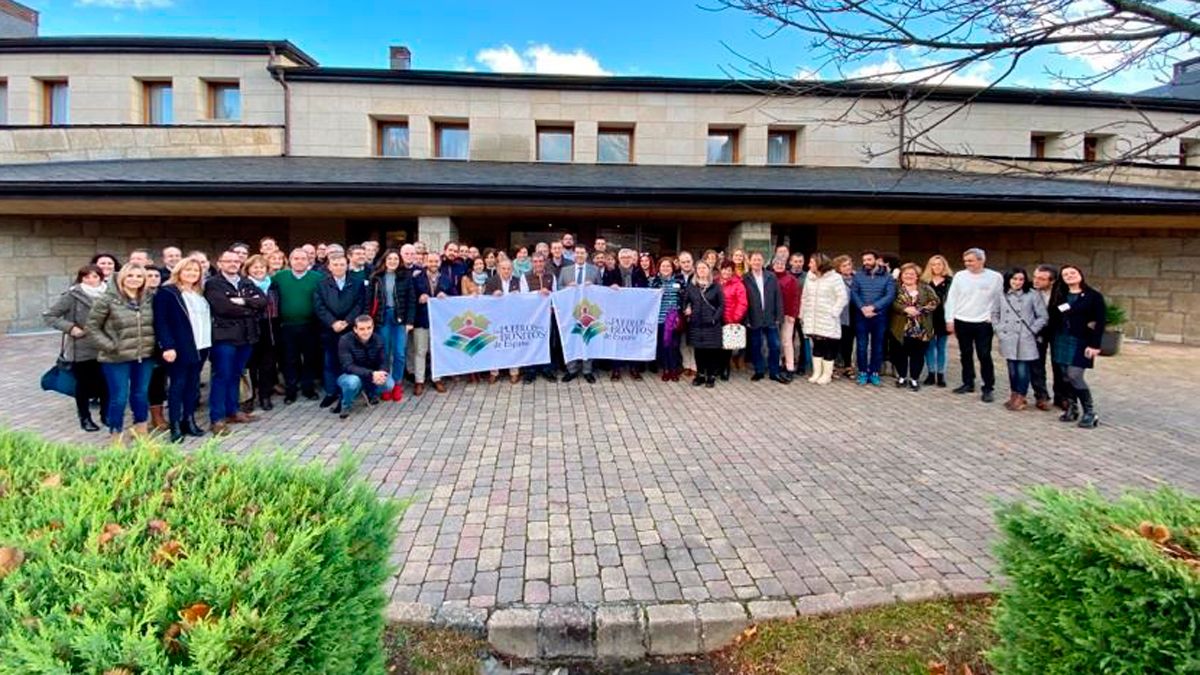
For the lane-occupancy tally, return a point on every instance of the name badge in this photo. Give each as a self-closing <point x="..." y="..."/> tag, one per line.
<point x="1065" y="307"/>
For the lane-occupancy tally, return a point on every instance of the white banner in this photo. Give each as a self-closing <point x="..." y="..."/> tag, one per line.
<point x="480" y="333"/>
<point x="598" y="322"/>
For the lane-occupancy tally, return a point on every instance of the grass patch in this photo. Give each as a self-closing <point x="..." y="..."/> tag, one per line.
<point x="415" y="651"/>
<point x="912" y="638"/>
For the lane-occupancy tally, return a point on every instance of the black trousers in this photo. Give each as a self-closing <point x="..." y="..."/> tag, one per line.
<point x="975" y="341"/>
<point x="158" y="384"/>
<point x="709" y="362"/>
<point x="1037" y="377"/>
<point x="89" y="384"/>
<point x="263" y="370"/>
<point x="845" y="347"/>
<point x="303" y="358"/>
<point x="911" y="359"/>
<point x="825" y="348"/>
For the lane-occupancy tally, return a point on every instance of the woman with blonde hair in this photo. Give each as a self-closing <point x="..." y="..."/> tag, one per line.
<point x="937" y="275"/>
<point x="121" y="324"/>
<point x="824" y="299"/>
<point x="739" y="262"/>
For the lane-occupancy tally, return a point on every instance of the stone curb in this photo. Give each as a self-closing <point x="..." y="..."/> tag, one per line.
<point x="632" y="631"/>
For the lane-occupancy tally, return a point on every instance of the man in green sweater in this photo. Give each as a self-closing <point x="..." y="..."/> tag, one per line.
<point x="299" y="329"/>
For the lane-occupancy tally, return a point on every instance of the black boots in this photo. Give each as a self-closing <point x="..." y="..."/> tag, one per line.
<point x="86" y="423"/>
<point x="941" y="380"/>
<point x="1071" y="412"/>
<point x="1089" y="420"/>
<point x="189" y="427"/>
<point x="710" y="382"/>
<point x="931" y="378"/>
<point x="176" y="430"/>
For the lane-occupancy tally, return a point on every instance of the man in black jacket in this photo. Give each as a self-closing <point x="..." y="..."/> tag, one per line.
<point x="235" y="303"/>
<point x="764" y="314"/>
<point x="338" y="299"/>
<point x="626" y="274"/>
<point x="363" y="363"/>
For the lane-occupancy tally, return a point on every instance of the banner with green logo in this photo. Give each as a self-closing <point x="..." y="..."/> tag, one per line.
<point x="598" y="322"/>
<point x="480" y="333"/>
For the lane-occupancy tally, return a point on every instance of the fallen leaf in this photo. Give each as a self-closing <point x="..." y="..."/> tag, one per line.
<point x="905" y="640"/>
<point x="194" y="614"/>
<point x="937" y="668"/>
<point x="168" y="553"/>
<point x="110" y="532"/>
<point x="10" y="559"/>
<point x="1158" y="534"/>
<point x="118" y="671"/>
<point x="170" y="638"/>
<point x="967" y="670"/>
<point x="746" y="635"/>
<point x="52" y="481"/>
<point x="158" y="527"/>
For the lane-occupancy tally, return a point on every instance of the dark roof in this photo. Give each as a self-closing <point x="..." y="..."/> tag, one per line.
<point x="1185" y="82"/>
<point x="119" y="44"/>
<point x="730" y="86"/>
<point x="603" y="184"/>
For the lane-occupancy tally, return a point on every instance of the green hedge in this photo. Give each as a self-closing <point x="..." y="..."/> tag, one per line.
<point x="1100" y="586"/>
<point x="149" y="561"/>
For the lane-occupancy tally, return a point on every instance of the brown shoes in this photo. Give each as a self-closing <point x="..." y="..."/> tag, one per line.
<point x="418" y="388"/>
<point x="440" y="387"/>
<point x="1016" y="403"/>
<point x="157" y="421"/>
<point x="240" y="418"/>
<point x="219" y="429"/>
<point x="1042" y="404"/>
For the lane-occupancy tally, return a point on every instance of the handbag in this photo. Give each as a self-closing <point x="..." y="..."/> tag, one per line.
<point x="61" y="376"/>
<point x="733" y="336"/>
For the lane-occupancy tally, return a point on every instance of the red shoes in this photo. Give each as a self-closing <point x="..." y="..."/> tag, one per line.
<point x="396" y="394"/>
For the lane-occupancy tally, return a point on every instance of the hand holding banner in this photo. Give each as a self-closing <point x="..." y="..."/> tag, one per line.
<point x="597" y="322"/>
<point x="479" y="333"/>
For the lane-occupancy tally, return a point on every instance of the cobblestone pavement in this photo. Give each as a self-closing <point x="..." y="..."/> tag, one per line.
<point x="658" y="492"/>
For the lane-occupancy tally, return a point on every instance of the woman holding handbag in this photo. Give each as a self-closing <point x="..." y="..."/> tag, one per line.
<point x="668" y="353"/>
<point x="68" y="315"/>
<point x="704" y="306"/>
<point x="121" y="324"/>
<point x="733" y="333"/>
<point x="1017" y="319"/>
<point x="912" y="324"/>
<point x="823" y="303"/>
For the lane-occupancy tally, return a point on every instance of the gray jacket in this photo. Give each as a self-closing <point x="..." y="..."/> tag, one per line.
<point x="567" y="277"/>
<point x="71" y="309"/>
<point x="1017" y="320"/>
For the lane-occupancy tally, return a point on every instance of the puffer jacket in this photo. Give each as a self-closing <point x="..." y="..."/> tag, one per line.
<point x="71" y="309"/>
<point x="122" y="329"/>
<point x="825" y="298"/>
<point x="1018" y="319"/>
<point x="735" y="300"/>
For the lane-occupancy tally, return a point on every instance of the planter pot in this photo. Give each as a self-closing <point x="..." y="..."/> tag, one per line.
<point x="1110" y="342"/>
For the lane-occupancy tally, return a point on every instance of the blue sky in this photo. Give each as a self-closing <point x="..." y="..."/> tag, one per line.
<point x="621" y="37"/>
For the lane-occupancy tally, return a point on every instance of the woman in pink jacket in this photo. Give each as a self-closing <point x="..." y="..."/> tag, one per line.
<point x="735" y="306"/>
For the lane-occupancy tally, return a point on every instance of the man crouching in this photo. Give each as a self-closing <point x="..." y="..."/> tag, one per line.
<point x="364" y="366"/>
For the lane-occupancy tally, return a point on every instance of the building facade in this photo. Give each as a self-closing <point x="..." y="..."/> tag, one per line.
<point x="116" y="143"/>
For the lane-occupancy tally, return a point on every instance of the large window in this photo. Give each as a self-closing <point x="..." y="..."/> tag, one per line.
<point x="3" y="102"/>
<point x="723" y="146"/>
<point x="393" y="139"/>
<point x="614" y="145"/>
<point x="555" y="143"/>
<point x="1037" y="146"/>
<point x="451" y="140"/>
<point x="224" y="101"/>
<point x="781" y="146"/>
<point x="56" y="102"/>
<point x="1189" y="152"/>
<point x="159" y="102"/>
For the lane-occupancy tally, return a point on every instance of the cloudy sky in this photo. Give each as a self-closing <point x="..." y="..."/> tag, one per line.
<point x="619" y="37"/>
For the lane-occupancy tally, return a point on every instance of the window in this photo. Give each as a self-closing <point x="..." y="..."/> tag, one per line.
<point x="224" y="101"/>
<point x="781" y="146"/>
<point x="451" y="140"/>
<point x="1189" y="152"/>
<point x="555" y="143"/>
<point x="3" y="102"/>
<point x="723" y="146"/>
<point x="159" y="102"/>
<point x="393" y="139"/>
<point x="1037" y="146"/>
<point x="614" y="145"/>
<point x="1091" y="146"/>
<point x="56" y="107"/>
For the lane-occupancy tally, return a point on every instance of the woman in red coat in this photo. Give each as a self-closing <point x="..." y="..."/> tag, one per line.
<point x="735" y="306"/>
<point x="789" y="288"/>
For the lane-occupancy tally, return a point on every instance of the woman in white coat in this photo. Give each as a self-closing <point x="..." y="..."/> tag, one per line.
<point x="821" y="306"/>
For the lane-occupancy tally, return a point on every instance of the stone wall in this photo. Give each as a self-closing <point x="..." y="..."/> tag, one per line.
<point x="47" y="144"/>
<point x="39" y="256"/>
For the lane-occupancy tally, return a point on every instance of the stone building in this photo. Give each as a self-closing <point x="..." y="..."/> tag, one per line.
<point x="117" y="143"/>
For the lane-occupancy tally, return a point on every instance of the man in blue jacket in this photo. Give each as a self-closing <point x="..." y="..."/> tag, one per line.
<point x="339" y="298"/>
<point x="871" y="292"/>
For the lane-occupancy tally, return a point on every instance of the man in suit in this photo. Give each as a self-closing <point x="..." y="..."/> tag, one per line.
<point x="580" y="273"/>
<point x="687" y="269"/>
<point x="626" y="274"/>
<point x="339" y="298"/>
<point x="541" y="280"/>
<point x="501" y="284"/>
<point x="764" y="315"/>
<point x="433" y="281"/>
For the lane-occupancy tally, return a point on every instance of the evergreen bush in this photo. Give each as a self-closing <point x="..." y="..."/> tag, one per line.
<point x="1100" y="586"/>
<point x="144" y="560"/>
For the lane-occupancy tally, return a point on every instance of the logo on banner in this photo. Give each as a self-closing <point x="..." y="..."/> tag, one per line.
<point x="587" y="321"/>
<point x="470" y="334"/>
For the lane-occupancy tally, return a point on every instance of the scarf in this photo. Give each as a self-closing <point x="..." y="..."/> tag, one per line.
<point x="480" y="277"/>
<point x="523" y="266"/>
<point x="263" y="285"/>
<point x="93" y="292"/>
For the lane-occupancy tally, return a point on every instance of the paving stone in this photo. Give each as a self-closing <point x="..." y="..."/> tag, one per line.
<point x="919" y="591"/>
<point x="672" y="630"/>
<point x="514" y="632"/>
<point x="410" y="613"/>
<point x="817" y="605"/>
<point x="720" y="623"/>
<point x="620" y="632"/>
<point x="769" y="610"/>
<point x="470" y="620"/>
<point x="968" y="588"/>
<point x="566" y="631"/>
<point x="868" y="597"/>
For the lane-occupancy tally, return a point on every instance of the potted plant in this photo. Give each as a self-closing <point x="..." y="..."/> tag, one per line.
<point x="1114" y="318"/>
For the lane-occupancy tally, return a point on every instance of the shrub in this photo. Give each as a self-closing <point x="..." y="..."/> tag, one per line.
<point x="1100" y="586"/>
<point x="148" y="561"/>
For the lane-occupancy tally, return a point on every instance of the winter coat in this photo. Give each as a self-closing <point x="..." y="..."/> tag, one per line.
<point x="173" y="326"/>
<point x="332" y="304"/>
<point x="362" y="359"/>
<point x="637" y="279"/>
<point x="735" y="300"/>
<point x="760" y="314"/>
<point x="444" y="283"/>
<point x="875" y="288"/>
<point x="921" y="326"/>
<point x="231" y="322"/>
<point x="404" y="299"/>
<point x="1017" y="320"/>
<point x="71" y="309"/>
<point x="789" y="289"/>
<point x="824" y="299"/>
<point x="708" y="315"/>
<point x="122" y="329"/>
<point x="1083" y="324"/>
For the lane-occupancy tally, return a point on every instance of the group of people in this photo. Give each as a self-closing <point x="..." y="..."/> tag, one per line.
<point x="354" y="321"/>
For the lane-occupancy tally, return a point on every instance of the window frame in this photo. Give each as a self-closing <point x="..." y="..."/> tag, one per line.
<point x="616" y="129"/>
<point x="1091" y="148"/>
<point x="148" y="86"/>
<point x="792" y="136"/>
<point x="1038" y="144"/>
<point x="443" y="125"/>
<point x="380" y="127"/>
<point x="559" y="128"/>
<point x="212" y="86"/>
<point x="3" y="101"/>
<point x="735" y="136"/>
<point x="48" y="86"/>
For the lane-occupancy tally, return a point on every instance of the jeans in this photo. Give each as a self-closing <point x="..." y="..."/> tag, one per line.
<point x="935" y="354"/>
<point x="128" y="383"/>
<point x="977" y="338"/>
<point x="228" y="362"/>
<point x="332" y="364"/>
<point x="771" y="335"/>
<point x="1018" y="376"/>
<point x="868" y="333"/>
<point x="1037" y="377"/>
<point x="395" y="341"/>
<point x="669" y="356"/>
<point x="350" y="385"/>
<point x="183" y="392"/>
<point x="301" y="356"/>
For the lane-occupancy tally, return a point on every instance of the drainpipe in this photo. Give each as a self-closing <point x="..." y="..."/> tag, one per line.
<point x="277" y="73"/>
<point x="903" y="153"/>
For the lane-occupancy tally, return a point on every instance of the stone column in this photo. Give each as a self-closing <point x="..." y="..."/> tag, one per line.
<point x="751" y="236"/>
<point x="435" y="231"/>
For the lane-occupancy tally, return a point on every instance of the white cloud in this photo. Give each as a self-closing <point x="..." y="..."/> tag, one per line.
<point x="891" y="69"/>
<point x="539" y="58"/>
<point x="126" y="4"/>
